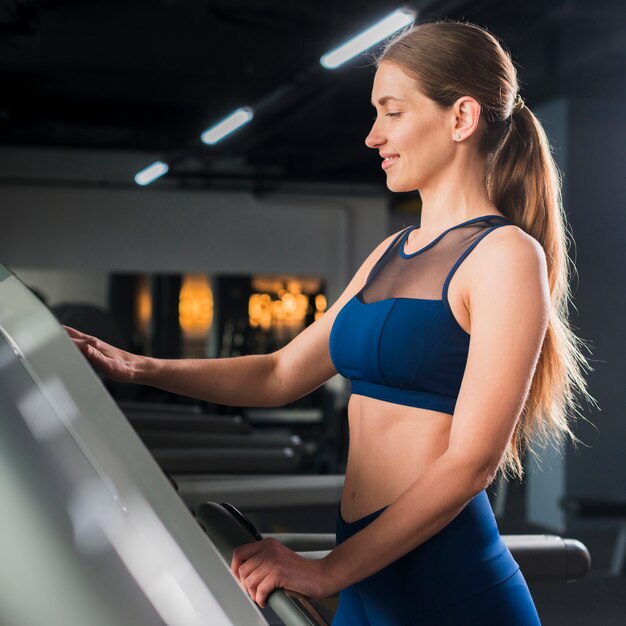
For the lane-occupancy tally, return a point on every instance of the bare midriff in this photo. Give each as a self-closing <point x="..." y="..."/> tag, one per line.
<point x="390" y="446"/>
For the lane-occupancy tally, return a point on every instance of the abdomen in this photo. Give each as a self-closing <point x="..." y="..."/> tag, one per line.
<point x="390" y="446"/>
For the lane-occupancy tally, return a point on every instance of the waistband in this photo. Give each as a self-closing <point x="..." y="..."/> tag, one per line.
<point x="358" y="524"/>
<point x="408" y="397"/>
<point x="464" y="558"/>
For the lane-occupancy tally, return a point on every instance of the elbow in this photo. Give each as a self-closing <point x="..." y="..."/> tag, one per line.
<point x="485" y="474"/>
<point x="478" y="474"/>
<point x="485" y="478"/>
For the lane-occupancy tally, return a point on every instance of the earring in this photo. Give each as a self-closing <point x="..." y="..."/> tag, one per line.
<point x="457" y="137"/>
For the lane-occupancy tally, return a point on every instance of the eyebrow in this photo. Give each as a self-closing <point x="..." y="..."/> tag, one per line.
<point x="382" y="101"/>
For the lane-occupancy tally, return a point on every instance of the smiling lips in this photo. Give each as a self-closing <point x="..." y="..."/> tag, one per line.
<point x="389" y="160"/>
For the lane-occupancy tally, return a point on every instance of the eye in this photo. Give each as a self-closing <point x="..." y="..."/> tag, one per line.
<point x="394" y="114"/>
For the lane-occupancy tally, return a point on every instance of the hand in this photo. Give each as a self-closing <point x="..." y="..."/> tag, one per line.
<point x="113" y="362"/>
<point x="266" y="565"/>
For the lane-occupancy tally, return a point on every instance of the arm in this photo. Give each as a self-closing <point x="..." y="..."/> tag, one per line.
<point x="509" y="308"/>
<point x="253" y="380"/>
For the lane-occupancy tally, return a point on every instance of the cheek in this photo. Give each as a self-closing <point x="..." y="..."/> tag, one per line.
<point x="431" y="135"/>
<point x="429" y="148"/>
<point x="423" y="155"/>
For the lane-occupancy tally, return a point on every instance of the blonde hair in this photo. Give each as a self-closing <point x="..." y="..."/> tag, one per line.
<point x="453" y="59"/>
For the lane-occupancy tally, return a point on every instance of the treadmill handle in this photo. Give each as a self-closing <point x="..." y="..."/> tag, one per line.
<point x="228" y="528"/>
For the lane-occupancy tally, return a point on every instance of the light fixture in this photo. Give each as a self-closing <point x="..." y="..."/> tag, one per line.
<point x="151" y="173"/>
<point x="379" y="31"/>
<point x="287" y="305"/>
<point x="229" y="124"/>
<point x="195" y="307"/>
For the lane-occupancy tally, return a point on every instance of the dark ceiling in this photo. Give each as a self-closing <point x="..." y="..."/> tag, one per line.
<point x="151" y="75"/>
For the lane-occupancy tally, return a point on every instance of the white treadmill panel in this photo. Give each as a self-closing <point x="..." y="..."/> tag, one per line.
<point x="91" y="530"/>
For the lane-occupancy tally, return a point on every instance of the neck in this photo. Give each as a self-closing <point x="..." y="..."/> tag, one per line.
<point x="457" y="196"/>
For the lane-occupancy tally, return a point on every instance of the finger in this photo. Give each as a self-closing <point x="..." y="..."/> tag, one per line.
<point x="75" y="334"/>
<point x="95" y="357"/>
<point x="81" y="344"/>
<point x="84" y="342"/>
<point x="243" y="553"/>
<point x="95" y="348"/>
<point x="265" y="548"/>
<point x="104" y="363"/>
<point x="249" y="566"/>
<point x="85" y="347"/>
<point x="252" y="580"/>
<point x="93" y="354"/>
<point x="264" y="589"/>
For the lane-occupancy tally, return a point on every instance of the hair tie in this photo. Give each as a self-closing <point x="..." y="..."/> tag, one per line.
<point x="518" y="105"/>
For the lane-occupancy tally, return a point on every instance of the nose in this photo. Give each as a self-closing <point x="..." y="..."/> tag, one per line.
<point x="375" y="138"/>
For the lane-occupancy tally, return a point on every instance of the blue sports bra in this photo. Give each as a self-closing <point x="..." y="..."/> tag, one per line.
<point x="397" y="339"/>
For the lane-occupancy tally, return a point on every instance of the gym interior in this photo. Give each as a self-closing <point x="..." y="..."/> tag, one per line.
<point x="128" y="216"/>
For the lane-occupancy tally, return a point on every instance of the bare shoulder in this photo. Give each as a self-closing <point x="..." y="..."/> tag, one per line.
<point x="509" y="253"/>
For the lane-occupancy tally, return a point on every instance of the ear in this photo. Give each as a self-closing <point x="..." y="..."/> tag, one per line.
<point x="466" y="112"/>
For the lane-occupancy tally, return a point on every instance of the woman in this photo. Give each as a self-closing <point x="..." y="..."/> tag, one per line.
<point x="454" y="335"/>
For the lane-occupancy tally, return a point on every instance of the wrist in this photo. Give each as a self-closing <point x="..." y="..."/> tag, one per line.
<point x="331" y="574"/>
<point x="145" y="371"/>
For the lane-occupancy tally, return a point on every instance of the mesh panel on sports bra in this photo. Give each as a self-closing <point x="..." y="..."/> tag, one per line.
<point x="422" y="274"/>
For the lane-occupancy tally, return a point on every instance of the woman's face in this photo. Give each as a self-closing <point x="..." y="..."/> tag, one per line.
<point x="412" y="133"/>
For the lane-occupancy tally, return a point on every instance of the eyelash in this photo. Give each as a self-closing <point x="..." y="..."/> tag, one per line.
<point x="394" y="114"/>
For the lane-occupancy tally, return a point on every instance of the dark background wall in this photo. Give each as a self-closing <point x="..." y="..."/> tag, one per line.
<point x="597" y="211"/>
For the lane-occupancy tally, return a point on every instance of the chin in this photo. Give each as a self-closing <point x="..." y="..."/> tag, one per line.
<point x="401" y="187"/>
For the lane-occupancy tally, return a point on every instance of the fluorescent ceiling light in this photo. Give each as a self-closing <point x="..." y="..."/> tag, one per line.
<point x="236" y="119"/>
<point x="387" y="26"/>
<point x="151" y="173"/>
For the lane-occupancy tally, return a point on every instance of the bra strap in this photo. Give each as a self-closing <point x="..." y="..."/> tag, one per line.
<point x="384" y="254"/>
<point x="460" y="260"/>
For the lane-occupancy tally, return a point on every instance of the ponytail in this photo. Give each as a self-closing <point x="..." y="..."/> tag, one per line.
<point x="525" y="184"/>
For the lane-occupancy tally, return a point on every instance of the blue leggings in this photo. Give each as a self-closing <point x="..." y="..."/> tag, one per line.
<point x="463" y="576"/>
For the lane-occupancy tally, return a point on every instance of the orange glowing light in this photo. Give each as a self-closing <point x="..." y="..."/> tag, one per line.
<point x="290" y="306"/>
<point x="195" y="307"/>
<point x="143" y="305"/>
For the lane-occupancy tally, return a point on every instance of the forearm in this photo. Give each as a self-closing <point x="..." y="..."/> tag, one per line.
<point x="239" y="381"/>
<point x="426" y="507"/>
